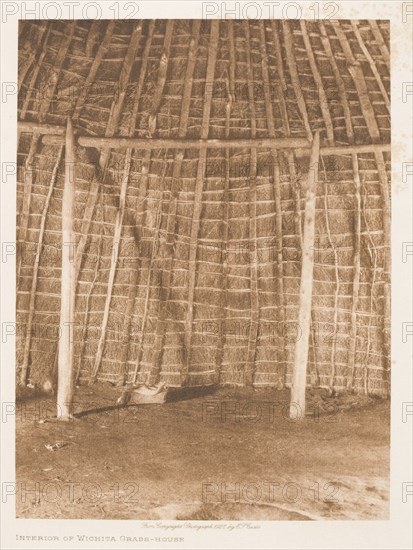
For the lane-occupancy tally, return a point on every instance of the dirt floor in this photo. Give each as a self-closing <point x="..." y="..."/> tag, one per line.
<point x="231" y="454"/>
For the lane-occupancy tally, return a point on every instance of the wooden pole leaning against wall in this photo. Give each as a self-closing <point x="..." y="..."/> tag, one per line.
<point x="297" y="401"/>
<point x="65" y="384"/>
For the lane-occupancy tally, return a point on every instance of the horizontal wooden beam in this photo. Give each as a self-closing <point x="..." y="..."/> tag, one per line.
<point x="38" y="128"/>
<point x="54" y="135"/>
<point x="328" y="151"/>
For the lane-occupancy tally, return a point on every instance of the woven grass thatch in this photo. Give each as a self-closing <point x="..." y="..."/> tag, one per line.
<point x="188" y="260"/>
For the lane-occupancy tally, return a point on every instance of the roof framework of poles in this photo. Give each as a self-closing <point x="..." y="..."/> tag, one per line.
<point x="183" y="170"/>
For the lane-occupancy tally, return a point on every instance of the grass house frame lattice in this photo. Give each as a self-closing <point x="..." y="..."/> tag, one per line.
<point x="191" y="151"/>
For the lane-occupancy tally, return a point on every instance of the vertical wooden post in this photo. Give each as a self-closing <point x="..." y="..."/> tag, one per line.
<point x="356" y="273"/>
<point x="297" y="403"/>
<point x="250" y="366"/>
<point x="199" y="183"/>
<point x="279" y="273"/>
<point x="168" y="246"/>
<point x="66" y="343"/>
<point x="230" y="83"/>
<point x="113" y="122"/>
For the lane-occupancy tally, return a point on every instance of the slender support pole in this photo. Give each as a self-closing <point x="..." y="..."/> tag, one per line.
<point x="251" y="353"/>
<point x="112" y="273"/>
<point x="197" y="206"/>
<point x="167" y="247"/>
<point x="35" y="276"/>
<point x="356" y="273"/>
<point x="297" y="403"/>
<point x="65" y="387"/>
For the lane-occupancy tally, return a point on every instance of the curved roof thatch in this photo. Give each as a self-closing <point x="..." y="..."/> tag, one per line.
<point x="192" y="257"/>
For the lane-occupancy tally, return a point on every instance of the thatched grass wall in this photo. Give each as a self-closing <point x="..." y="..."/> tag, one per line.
<point x="195" y="255"/>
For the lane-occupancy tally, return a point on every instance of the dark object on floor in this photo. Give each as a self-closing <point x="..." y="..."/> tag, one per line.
<point x="189" y="392"/>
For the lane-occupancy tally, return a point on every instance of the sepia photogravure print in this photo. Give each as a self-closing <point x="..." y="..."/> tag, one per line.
<point x="203" y="271"/>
